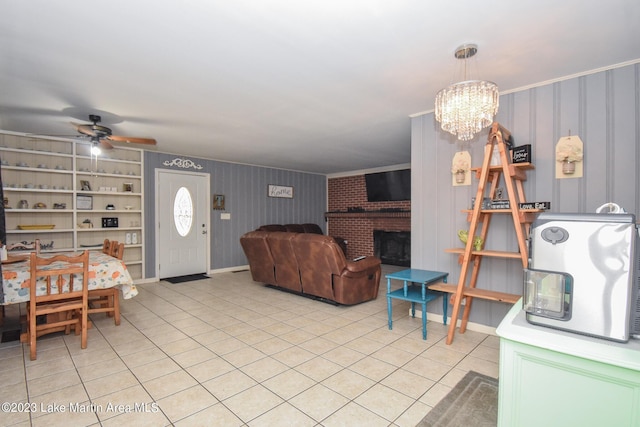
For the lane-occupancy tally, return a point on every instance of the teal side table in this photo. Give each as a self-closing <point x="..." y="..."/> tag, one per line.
<point x="415" y="290"/>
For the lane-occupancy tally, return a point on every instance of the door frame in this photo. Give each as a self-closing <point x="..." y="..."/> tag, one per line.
<point x="207" y="215"/>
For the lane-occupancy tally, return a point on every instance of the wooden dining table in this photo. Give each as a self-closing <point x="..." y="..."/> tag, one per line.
<point x="105" y="271"/>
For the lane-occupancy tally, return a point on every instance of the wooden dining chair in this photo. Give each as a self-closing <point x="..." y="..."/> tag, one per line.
<point x="117" y="251"/>
<point x="107" y="246"/>
<point x="108" y="300"/>
<point x="59" y="292"/>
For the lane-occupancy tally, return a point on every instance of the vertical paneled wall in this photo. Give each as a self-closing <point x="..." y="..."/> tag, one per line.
<point x="602" y="108"/>
<point x="245" y="191"/>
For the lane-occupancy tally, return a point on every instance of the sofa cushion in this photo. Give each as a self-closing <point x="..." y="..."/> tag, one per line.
<point x="319" y="258"/>
<point x="272" y="227"/>
<point x="294" y="228"/>
<point x="286" y="265"/>
<point x="312" y="228"/>
<point x="303" y="228"/>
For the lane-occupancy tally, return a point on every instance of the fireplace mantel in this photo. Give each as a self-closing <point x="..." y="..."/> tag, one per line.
<point x="368" y="214"/>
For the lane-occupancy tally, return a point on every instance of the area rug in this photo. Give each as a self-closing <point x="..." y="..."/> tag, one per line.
<point x="187" y="278"/>
<point x="473" y="402"/>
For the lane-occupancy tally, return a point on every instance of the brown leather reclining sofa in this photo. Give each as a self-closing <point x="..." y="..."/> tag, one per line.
<point x="310" y="264"/>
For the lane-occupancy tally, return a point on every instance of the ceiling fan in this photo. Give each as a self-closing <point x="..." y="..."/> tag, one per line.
<point x="101" y="135"/>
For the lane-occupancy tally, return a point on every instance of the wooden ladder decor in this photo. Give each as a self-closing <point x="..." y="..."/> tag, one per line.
<point x="480" y="218"/>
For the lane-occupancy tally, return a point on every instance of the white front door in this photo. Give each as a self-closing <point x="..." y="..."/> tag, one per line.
<point x="182" y="199"/>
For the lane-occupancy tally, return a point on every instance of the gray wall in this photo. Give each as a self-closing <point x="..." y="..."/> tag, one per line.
<point x="245" y="191"/>
<point x="602" y="108"/>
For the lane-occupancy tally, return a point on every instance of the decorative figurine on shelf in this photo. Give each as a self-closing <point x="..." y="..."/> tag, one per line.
<point x="86" y="224"/>
<point x="499" y="202"/>
<point x="28" y="246"/>
<point x="46" y="246"/>
<point x="463" y="235"/>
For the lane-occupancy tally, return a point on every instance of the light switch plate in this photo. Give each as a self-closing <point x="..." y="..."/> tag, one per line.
<point x="225" y="215"/>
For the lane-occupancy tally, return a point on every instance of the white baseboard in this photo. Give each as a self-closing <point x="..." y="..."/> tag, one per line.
<point x="476" y="327"/>
<point x="216" y="271"/>
<point x="146" y="280"/>
<point x="229" y="269"/>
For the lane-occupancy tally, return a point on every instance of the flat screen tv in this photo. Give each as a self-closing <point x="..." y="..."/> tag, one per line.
<point x="388" y="186"/>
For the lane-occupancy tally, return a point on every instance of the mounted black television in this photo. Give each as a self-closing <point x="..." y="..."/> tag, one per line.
<point x="388" y="186"/>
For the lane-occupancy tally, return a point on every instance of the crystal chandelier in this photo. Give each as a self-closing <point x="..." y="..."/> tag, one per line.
<point x="465" y="108"/>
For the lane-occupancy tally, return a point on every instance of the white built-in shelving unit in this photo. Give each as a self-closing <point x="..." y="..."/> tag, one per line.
<point x="45" y="198"/>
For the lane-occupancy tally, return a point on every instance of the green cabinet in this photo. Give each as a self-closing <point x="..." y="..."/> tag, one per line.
<point x="555" y="378"/>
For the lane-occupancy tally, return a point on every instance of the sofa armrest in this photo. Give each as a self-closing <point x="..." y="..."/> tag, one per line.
<point x="363" y="264"/>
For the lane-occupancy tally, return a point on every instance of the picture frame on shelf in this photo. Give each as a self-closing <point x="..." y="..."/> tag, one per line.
<point x="85" y="185"/>
<point x="127" y="187"/>
<point x="84" y="202"/>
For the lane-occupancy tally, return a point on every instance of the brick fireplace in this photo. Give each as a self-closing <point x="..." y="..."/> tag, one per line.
<point x="352" y="217"/>
<point x="392" y="247"/>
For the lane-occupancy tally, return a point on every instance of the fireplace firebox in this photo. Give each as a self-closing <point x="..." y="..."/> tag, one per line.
<point x="393" y="247"/>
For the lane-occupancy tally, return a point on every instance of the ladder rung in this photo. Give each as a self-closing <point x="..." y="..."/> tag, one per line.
<point x="524" y="165"/>
<point x="526" y="216"/>
<point x="477" y="293"/>
<point x="499" y="254"/>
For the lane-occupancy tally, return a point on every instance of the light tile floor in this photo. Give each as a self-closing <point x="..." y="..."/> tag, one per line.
<point x="231" y="352"/>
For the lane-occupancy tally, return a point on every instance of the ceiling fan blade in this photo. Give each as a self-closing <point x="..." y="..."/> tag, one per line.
<point x="130" y="139"/>
<point x="105" y="145"/>
<point x="84" y="129"/>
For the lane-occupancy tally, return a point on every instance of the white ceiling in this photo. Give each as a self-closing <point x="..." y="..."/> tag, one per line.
<point x="317" y="85"/>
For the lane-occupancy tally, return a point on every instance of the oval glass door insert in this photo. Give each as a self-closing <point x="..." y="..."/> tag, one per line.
<point x="183" y="211"/>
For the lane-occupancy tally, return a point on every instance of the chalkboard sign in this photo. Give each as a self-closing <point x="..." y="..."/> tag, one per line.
<point x="521" y="154"/>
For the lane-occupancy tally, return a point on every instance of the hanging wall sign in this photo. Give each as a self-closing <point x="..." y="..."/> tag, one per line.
<point x="280" y="191"/>
<point x="569" y="156"/>
<point x="460" y="169"/>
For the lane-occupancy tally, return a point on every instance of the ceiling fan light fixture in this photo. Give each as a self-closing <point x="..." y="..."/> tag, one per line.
<point x="95" y="149"/>
<point x="99" y="130"/>
<point x="465" y="108"/>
